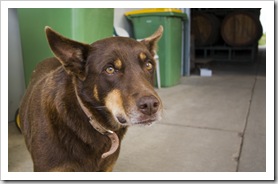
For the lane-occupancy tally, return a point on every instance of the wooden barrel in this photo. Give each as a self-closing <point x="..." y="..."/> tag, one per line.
<point x="205" y="28"/>
<point x="241" y="29"/>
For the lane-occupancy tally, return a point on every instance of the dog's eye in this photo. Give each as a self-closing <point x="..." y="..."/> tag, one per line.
<point x="149" y="66"/>
<point x="110" y="70"/>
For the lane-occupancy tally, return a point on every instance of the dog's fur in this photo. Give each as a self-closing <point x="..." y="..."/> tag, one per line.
<point x="112" y="77"/>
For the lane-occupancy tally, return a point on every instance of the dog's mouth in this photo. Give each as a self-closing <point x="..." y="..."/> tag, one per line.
<point x="136" y="121"/>
<point x="146" y="122"/>
<point x="121" y="120"/>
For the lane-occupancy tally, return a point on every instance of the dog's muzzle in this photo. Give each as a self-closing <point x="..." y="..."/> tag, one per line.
<point x="145" y="111"/>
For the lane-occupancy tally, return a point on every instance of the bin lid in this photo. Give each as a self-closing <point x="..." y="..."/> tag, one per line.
<point x="156" y="12"/>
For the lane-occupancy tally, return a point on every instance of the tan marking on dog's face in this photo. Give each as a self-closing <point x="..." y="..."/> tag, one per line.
<point x="118" y="64"/>
<point x="114" y="104"/>
<point x="96" y="93"/>
<point x="142" y="56"/>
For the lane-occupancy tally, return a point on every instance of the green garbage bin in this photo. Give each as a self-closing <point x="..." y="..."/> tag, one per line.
<point x="146" y="21"/>
<point x="81" y="24"/>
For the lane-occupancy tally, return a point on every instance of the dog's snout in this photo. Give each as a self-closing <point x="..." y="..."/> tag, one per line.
<point x="148" y="105"/>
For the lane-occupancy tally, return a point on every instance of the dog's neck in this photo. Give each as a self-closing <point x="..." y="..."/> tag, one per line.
<point x="98" y="127"/>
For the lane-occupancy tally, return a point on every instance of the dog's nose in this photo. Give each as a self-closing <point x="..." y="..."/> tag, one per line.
<point x="148" y="105"/>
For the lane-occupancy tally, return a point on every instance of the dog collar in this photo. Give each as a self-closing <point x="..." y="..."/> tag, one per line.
<point x="112" y="135"/>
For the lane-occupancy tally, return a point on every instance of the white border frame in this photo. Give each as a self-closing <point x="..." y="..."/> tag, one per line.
<point x="268" y="175"/>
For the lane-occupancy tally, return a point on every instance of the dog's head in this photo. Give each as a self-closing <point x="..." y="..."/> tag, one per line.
<point x="113" y="76"/>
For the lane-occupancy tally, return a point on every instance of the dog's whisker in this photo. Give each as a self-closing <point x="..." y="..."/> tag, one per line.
<point x="100" y="107"/>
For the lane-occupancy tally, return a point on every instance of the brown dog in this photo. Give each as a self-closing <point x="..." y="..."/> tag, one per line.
<point x="79" y="104"/>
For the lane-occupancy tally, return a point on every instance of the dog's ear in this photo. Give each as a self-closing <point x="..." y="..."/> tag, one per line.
<point x="151" y="41"/>
<point x="70" y="53"/>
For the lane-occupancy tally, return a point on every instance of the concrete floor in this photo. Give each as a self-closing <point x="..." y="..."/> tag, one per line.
<point x="210" y="124"/>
